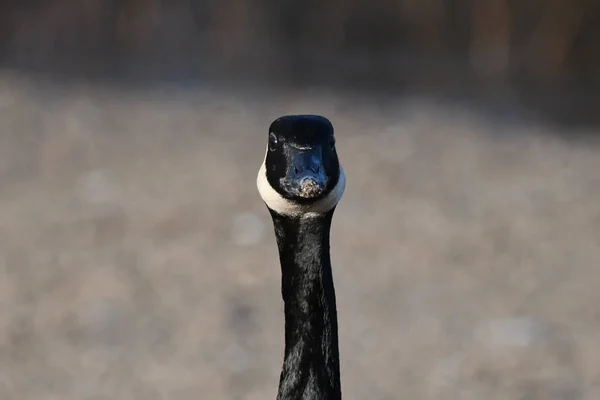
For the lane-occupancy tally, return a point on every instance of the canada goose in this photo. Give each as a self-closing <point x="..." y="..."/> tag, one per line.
<point x="301" y="181"/>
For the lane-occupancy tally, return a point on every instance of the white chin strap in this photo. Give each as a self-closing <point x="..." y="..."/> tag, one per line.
<point x="277" y="203"/>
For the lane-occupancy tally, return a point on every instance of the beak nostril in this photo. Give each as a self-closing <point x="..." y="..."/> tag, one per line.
<point x="295" y="170"/>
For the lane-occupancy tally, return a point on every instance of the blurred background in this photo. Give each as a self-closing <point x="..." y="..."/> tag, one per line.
<point x="137" y="260"/>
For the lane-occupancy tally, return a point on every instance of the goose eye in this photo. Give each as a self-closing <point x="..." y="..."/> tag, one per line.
<point x="332" y="143"/>
<point x="272" y="141"/>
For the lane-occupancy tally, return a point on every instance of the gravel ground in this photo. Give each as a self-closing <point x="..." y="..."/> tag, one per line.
<point x="138" y="261"/>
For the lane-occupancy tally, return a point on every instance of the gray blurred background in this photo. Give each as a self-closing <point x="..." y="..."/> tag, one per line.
<point x="137" y="260"/>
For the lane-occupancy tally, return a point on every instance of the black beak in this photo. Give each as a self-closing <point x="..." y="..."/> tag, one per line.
<point x="305" y="175"/>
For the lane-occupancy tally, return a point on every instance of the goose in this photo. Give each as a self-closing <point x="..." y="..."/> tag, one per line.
<point x="301" y="182"/>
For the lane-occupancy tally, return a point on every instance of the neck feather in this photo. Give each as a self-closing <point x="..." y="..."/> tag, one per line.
<point x="311" y="362"/>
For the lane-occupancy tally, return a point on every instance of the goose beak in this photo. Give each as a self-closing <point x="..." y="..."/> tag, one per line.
<point x="306" y="176"/>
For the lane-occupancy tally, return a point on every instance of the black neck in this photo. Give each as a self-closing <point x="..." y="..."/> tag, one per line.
<point x="311" y="363"/>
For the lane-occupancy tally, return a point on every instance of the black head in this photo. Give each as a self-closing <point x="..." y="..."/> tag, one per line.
<point x="301" y="162"/>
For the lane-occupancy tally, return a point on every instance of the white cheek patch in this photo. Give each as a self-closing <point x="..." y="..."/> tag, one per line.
<point x="277" y="203"/>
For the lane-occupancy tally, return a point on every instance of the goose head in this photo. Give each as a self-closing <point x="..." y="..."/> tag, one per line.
<point x="301" y="172"/>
